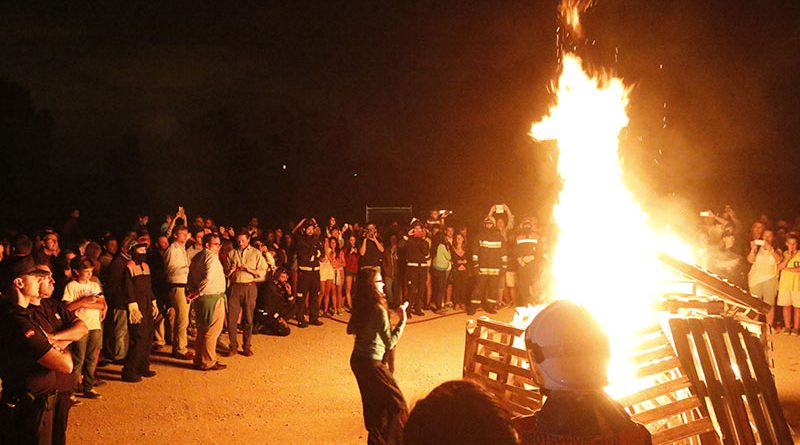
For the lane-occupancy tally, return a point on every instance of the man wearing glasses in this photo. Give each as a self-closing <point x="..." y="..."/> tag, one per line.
<point x="206" y="291"/>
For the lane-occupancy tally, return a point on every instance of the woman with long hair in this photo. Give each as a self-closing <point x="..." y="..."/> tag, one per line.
<point x="351" y="257"/>
<point x="337" y="261"/>
<point x="384" y="407"/>
<point x="326" y="277"/>
<point x="460" y="274"/>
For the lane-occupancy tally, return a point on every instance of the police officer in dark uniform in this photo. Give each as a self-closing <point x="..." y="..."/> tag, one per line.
<point x="62" y="328"/>
<point x="31" y="367"/>
<point x="309" y="250"/>
<point x="418" y="253"/>
<point x="526" y="255"/>
<point x="489" y="258"/>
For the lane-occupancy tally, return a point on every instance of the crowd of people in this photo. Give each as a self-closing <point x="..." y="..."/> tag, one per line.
<point x="117" y="297"/>
<point x="84" y="303"/>
<point x="763" y="260"/>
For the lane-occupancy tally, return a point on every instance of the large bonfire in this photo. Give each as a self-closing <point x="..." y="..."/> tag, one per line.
<point x="611" y="267"/>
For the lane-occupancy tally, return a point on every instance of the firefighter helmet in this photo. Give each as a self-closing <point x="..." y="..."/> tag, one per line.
<point x="568" y="349"/>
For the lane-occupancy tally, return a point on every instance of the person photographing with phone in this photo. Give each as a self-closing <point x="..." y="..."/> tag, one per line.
<point x="762" y="279"/>
<point x="371" y="249"/>
<point x="384" y="407"/>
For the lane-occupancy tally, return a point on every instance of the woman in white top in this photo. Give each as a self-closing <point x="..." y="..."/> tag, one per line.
<point x="763" y="276"/>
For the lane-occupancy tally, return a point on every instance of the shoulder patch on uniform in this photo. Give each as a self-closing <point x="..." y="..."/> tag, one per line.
<point x="30" y="333"/>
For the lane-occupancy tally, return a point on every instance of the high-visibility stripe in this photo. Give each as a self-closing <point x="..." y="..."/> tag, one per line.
<point x="504" y="258"/>
<point x="491" y="244"/>
<point x="308" y="269"/>
<point x="475" y="301"/>
<point x="527" y="241"/>
<point x="484" y="271"/>
<point x="475" y="257"/>
<point x="416" y="264"/>
<point x="491" y="301"/>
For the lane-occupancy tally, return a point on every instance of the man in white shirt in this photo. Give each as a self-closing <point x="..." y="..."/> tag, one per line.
<point x="246" y="267"/>
<point x="206" y="289"/>
<point x="176" y="268"/>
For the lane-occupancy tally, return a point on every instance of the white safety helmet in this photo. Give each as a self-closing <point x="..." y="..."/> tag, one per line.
<point x="569" y="350"/>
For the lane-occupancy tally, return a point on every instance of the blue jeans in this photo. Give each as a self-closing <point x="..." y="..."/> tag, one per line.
<point x="84" y="359"/>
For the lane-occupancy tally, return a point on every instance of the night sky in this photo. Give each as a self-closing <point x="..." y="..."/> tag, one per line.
<point x="143" y="107"/>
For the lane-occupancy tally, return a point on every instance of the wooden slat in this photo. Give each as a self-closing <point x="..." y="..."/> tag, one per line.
<point x="470" y="349"/>
<point x="503" y="349"/>
<point x="711" y="307"/>
<point x="658" y="367"/>
<point x="655" y="391"/>
<point x="653" y="355"/>
<point x="499" y="367"/>
<point x="500" y="327"/>
<point x="685" y="431"/>
<point x="719" y="287"/>
<point x="667" y="411"/>
<point x="766" y="384"/>
<point x="730" y="384"/>
<point x="656" y="341"/>
<point x="751" y="388"/>
<point x="534" y="396"/>
<point x="716" y="394"/>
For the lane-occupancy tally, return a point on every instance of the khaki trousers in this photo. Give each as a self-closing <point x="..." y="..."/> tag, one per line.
<point x="206" y="342"/>
<point x="180" y="319"/>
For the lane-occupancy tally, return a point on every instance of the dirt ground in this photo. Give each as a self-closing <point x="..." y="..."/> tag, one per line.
<point x="298" y="390"/>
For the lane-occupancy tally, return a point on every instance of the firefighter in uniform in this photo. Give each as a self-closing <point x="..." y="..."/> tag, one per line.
<point x="31" y="367"/>
<point x="142" y="310"/>
<point x="309" y="251"/>
<point x="276" y="306"/>
<point x="418" y="254"/>
<point x="570" y="352"/>
<point x="489" y="259"/>
<point x="526" y="254"/>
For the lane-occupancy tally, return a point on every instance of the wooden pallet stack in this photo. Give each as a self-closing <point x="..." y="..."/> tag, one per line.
<point x="705" y="372"/>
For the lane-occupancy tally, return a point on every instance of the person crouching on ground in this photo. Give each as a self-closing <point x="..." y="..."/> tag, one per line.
<point x="570" y="353"/>
<point x="206" y="287"/>
<point x="384" y="407"/>
<point x="142" y="311"/>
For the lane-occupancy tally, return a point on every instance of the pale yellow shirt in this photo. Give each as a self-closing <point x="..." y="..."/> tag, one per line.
<point x="251" y="258"/>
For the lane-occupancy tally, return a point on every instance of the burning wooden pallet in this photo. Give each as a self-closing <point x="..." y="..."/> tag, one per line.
<point x="710" y="384"/>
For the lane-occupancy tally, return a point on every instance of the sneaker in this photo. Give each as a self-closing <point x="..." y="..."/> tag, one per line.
<point x="247" y="352"/>
<point x="75" y="401"/>
<point x="149" y="373"/>
<point x="315" y="322"/>
<point x="99" y="382"/>
<point x="91" y="394"/>
<point x="795" y="332"/>
<point x="302" y="324"/>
